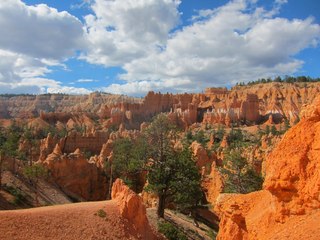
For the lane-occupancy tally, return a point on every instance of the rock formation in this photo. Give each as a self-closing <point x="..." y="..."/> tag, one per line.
<point x="201" y="156"/>
<point x="212" y="184"/>
<point x="240" y="105"/>
<point x="77" y="177"/>
<point x="131" y="208"/>
<point x="288" y="206"/>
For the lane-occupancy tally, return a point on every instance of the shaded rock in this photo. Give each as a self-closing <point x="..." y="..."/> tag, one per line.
<point x="76" y="176"/>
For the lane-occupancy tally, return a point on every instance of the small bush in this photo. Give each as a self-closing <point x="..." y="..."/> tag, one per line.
<point x="101" y="213"/>
<point x="212" y="234"/>
<point x="170" y="231"/>
<point x="18" y="195"/>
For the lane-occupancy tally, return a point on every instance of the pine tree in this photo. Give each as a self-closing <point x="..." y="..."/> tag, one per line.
<point x="172" y="174"/>
<point x="239" y="176"/>
<point x="35" y="173"/>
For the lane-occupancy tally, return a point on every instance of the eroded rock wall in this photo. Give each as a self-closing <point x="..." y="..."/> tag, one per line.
<point x="291" y="192"/>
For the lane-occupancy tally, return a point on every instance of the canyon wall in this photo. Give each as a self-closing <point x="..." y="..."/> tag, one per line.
<point x="288" y="206"/>
<point x="240" y="105"/>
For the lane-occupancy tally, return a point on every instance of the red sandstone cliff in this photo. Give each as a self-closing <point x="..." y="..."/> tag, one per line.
<point x="288" y="206"/>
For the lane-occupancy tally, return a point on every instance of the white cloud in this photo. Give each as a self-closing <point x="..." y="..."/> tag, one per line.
<point x="28" y="85"/>
<point x="34" y="38"/>
<point x="139" y="88"/>
<point x="14" y="67"/>
<point x="231" y="44"/>
<point x="81" y="4"/>
<point x="239" y="41"/>
<point x="86" y="80"/>
<point x="6" y="88"/>
<point x="38" y="31"/>
<point x="68" y="90"/>
<point x="124" y="30"/>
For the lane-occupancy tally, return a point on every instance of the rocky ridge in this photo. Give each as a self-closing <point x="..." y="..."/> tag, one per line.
<point x="240" y="105"/>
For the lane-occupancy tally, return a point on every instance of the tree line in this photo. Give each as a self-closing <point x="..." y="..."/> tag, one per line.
<point x="285" y="79"/>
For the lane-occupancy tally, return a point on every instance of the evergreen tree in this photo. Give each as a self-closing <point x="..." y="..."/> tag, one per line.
<point x="172" y="174"/>
<point x="1" y="168"/>
<point x="129" y="159"/>
<point x="35" y="173"/>
<point x="239" y="176"/>
<point x="286" y="125"/>
<point x="274" y="130"/>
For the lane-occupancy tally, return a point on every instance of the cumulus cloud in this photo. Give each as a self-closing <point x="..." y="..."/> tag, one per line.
<point x="38" y="31"/>
<point x="123" y="30"/>
<point x="15" y="67"/>
<point x="34" y="38"/>
<point x="236" y="42"/>
<point x="68" y="90"/>
<point x="239" y="41"/>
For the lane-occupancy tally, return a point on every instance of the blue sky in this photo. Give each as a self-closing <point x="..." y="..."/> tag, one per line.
<point x="134" y="46"/>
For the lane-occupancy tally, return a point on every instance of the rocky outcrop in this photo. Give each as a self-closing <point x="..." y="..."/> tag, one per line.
<point x="77" y="177"/>
<point x="290" y="195"/>
<point x="203" y="160"/>
<point x="90" y="143"/>
<point x="131" y="208"/>
<point x="212" y="184"/>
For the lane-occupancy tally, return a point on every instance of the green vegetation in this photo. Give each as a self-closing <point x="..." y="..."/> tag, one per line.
<point x="1" y="168"/>
<point x="238" y="174"/>
<point x="101" y="213"/>
<point x="286" y="79"/>
<point x="170" y="231"/>
<point x="129" y="160"/>
<point x="172" y="174"/>
<point x="35" y="173"/>
<point x="19" y="197"/>
<point x="212" y="234"/>
<point x="199" y="136"/>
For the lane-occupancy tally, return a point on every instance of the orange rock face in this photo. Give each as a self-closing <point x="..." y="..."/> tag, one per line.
<point x="76" y="176"/>
<point x="132" y="208"/>
<point x="212" y="184"/>
<point x="298" y="182"/>
<point x="201" y="156"/>
<point x="288" y="207"/>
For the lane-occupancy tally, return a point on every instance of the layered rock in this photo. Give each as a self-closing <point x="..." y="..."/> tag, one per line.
<point x="291" y="192"/>
<point x="32" y="106"/>
<point x="131" y="208"/>
<point x="240" y="105"/>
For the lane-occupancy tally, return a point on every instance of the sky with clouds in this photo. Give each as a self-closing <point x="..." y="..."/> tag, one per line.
<point x="134" y="46"/>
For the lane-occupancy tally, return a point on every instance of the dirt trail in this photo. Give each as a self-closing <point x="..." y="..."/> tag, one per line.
<point x="70" y="221"/>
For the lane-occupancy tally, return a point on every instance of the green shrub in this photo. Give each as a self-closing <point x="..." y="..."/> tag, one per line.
<point x="19" y="197"/>
<point x="101" y="213"/>
<point x="170" y="231"/>
<point x="212" y="234"/>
